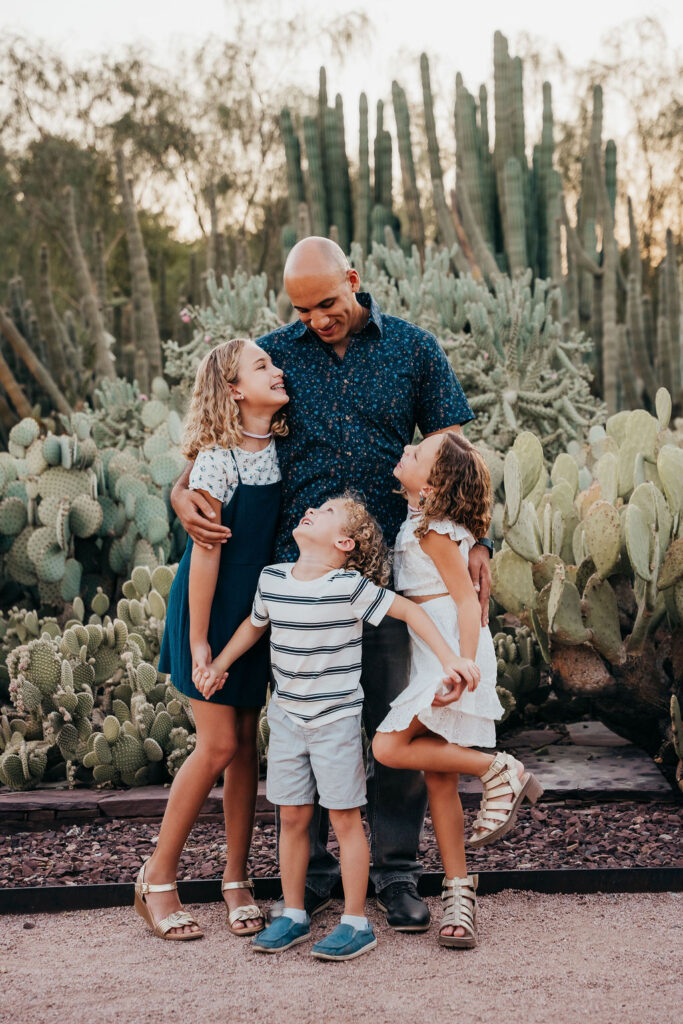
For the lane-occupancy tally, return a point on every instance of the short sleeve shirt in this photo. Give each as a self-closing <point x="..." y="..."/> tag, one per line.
<point x="215" y="470"/>
<point x="350" y="418"/>
<point x="316" y="635"/>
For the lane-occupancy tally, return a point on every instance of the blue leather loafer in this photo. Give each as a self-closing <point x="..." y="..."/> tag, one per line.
<point x="345" y="943"/>
<point x="281" y="934"/>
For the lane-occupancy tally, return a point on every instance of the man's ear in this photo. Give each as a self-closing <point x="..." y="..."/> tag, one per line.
<point x="353" y="278"/>
<point x="345" y="544"/>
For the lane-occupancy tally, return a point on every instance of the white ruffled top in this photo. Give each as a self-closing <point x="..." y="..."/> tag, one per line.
<point x="415" y="574"/>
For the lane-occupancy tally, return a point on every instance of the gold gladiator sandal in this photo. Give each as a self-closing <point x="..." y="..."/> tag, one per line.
<point x="460" y="900"/>
<point x="178" y="919"/>
<point x="246" y="913"/>
<point x="497" y="816"/>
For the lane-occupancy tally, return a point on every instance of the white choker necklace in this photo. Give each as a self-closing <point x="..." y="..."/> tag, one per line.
<point x="413" y="508"/>
<point x="259" y="437"/>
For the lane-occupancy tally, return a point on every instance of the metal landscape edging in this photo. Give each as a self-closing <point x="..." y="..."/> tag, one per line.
<point x="569" y="881"/>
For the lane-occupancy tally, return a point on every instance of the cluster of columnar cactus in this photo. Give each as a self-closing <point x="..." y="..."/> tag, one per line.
<point x="88" y="697"/>
<point x="507" y="215"/>
<point x="324" y="186"/>
<point x="75" y="514"/>
<point x="594" y="563"/>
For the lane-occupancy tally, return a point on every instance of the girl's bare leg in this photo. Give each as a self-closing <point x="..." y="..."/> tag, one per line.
<point x="239" y="801"/>
<point x="216" y="746"/>
<point x="449" y="828"/>
<point x="421" y="750"/>
<point x="354" y="855"/>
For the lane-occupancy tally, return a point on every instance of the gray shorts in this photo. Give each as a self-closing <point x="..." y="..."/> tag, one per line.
<point x="328" y="759"/>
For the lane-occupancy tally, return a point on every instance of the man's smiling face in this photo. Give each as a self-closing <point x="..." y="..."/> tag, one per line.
<point x="326" y="303"/>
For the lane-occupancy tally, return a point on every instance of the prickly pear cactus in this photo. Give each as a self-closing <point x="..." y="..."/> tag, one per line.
<point x="592" y="562"/>
<point x="75" y="515"/>
<point x="89" y="693"/>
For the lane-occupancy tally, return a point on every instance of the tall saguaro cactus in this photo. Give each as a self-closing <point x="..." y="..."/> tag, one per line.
<point x="411" y="196"/>
<point x="363" y="197"/>
<point x="103" y="361"/>
<point x="144" y="312"/>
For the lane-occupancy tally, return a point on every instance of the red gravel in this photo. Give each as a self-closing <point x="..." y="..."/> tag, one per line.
<point x="569" y="835"/>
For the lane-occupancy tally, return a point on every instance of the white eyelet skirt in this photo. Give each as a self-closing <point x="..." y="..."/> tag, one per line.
<point x="469" y="721"/>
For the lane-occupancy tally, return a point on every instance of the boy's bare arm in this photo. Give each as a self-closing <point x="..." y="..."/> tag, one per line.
<point x="420" y="623"/>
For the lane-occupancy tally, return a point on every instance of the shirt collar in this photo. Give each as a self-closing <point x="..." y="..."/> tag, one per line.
<point x="372" y="329"/>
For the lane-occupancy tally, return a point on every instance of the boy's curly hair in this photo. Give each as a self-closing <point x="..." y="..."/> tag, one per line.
<point x="462" y="488"/>
<point x="213" y="418"/>
<point x="370" y="556"/>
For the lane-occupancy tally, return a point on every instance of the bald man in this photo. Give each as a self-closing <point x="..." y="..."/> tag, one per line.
<point x="359" y="382"/>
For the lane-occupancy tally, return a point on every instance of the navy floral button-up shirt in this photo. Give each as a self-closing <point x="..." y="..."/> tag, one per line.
<point x="350" y="418"/>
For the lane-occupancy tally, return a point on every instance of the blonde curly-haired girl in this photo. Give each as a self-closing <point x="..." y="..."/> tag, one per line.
<point x="447" y="486"/>
<point x="237" y="405"/>
<point x="316" y="608"/>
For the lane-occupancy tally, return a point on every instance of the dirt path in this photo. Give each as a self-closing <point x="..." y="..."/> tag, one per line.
<point x="541" y="959"/>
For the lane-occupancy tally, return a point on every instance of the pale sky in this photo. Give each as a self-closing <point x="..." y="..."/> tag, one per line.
<point x="457" y="36"/>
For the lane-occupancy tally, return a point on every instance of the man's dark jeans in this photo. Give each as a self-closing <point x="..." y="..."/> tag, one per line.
<point x="397" y="800"/>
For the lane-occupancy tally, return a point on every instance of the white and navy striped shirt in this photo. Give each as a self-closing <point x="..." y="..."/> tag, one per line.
<point x="316" y="639"/>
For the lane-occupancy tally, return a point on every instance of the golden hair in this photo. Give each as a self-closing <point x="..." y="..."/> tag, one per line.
<point x="462" y="488"/>
<point x="369" y="555"/>
<point x="213" y="419"/>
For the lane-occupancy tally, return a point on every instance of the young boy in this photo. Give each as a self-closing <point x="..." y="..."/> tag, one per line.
<point x="315" y="608"/>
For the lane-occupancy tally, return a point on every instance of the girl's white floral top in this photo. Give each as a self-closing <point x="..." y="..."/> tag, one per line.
<point x="214" y="470"/>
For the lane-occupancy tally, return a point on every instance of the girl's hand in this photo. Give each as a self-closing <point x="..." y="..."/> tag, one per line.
<point x="208" y="681"/>
<point x="462" y="669"/>
<point x="454" y="692"/>
<point x="201" y="656"/>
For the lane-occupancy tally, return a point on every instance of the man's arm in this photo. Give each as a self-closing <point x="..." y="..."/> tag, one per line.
<point x="196" y="514"/>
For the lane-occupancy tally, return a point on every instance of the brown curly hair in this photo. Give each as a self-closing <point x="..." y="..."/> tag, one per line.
<point x="213" y="418"/>
<point x="369" y="556"/>
<point x="462" y="488"/>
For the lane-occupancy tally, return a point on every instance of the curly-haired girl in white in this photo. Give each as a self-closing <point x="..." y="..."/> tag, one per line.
<point x="427" y="728"/>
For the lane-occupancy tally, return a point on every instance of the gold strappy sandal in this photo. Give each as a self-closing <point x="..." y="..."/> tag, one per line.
<point x="178" y="919"/>
<point x="460" y="901"/>
<point x="497" y="816"/>
<point x="246" y="913"/>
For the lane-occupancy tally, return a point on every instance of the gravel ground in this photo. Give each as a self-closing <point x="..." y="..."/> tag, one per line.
<point x="548" y="836"/>
<point x="540" y="958"/>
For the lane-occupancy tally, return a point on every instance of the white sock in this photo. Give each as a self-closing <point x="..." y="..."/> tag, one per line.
<point x="299" y="916"/>
<point x="361" y="924"/>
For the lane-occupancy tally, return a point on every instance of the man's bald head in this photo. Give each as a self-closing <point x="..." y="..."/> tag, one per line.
<point x="315" y="257"/>
<point x="322" y="288"/>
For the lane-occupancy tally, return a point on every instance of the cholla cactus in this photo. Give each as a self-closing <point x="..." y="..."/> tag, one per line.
<point x="518" y="365"/>
<point x="239" y="308"/>
<point x="595" y="563"/>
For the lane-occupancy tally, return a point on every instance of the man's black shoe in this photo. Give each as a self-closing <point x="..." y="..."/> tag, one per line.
<point x="405" y="909"/>
<point x="313" y="904"/>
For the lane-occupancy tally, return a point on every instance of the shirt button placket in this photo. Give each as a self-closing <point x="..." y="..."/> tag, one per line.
<point x="347" y="419"/>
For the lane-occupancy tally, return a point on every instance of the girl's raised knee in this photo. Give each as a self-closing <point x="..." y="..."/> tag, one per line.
<point x="382" y="746"/>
